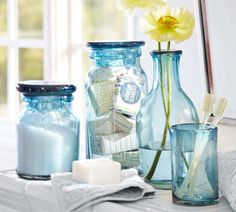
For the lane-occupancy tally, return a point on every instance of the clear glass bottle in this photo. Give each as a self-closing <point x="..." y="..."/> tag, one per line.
<point x="47" y="129"/>
<point x="165" y="105"/>
<point x="115" y="87"/>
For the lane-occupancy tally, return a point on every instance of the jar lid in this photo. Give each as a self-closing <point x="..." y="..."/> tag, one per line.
<point x="45" y="88"/>
<point x="114" y="44"/>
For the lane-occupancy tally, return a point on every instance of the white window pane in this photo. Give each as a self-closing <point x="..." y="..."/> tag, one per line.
<point x="3" y="81"/>
<point x="30" y="18"/>
<point x="30" y="64"/>
<point x="3" y="17"/>
<point x="102" y="20"/>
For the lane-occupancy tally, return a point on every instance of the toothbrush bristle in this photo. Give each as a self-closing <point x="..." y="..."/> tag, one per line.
<point x="220" y="106"/>
<point x="208" y="103"/>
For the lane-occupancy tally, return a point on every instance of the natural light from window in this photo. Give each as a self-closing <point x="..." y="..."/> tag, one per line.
<point x="25" y="40"/>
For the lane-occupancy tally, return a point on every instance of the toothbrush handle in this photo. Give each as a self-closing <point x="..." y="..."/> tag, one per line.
<point x="205" y="118"/>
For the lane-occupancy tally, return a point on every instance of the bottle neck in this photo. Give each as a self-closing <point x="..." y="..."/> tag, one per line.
<point x="166" y="70"/>
<point x="47" y="103"/>
<point x="116" y="57"/>
<point x="116" y="62"/>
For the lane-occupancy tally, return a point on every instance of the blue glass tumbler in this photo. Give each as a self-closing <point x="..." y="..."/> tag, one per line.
<point x="47" y="129"/>
<point x="194" y="164"/>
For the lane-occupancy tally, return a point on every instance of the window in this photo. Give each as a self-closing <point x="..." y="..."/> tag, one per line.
<point x="42" y="39"/>
<point x="21" y="49"/>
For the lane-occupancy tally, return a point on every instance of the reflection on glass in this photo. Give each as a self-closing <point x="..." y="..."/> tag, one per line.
<point x="30" y="18"/>
<point x="3" y="81"/>
<point x="30" y="64"/>
<point x="101" y="20"/>
<point x="3" y="17"/>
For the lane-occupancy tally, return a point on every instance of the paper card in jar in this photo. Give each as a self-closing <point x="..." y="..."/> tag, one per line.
<point x="127" y="95"/>
<point x="103" y="126"/>
<point x="114" y="143"/>
<point x="101" y="74"/>
<point x="126" y="124"/>
<point x="100" y="94"/>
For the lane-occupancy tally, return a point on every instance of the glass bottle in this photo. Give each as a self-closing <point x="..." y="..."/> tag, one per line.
<point x="115" y="87"/>
<point x="165" y="105"/>
<point x="47" y="129"/>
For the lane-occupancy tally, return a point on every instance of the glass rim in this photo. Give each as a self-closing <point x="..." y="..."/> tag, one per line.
<point x="45" y="88"/>
<point x="184" y="127"/>
<point x="114" y="44"/>
<point x="175" y="52"/>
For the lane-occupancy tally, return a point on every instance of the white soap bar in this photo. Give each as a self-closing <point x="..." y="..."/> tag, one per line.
<point x="96" y="171"/>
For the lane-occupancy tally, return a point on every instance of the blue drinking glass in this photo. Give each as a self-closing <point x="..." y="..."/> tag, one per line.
<point x="194" y="164"/>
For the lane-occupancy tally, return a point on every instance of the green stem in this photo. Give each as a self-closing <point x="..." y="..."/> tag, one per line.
<point x="167" y="113"/>
<point x="168" y="46"/>
<point x="162" y="84"/>
<point x="159" y="46"/>
<point x="158" y="154"/>
<point x="169" y="81"/>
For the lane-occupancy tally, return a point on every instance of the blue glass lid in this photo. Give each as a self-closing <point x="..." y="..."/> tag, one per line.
<point x="114" y="44"/>
<point x="45" y="88"/>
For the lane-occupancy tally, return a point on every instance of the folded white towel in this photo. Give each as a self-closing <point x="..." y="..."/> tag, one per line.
<point x="25" y="195"/>
<point x="227" y="176"/>
<point x="74" y="196"/>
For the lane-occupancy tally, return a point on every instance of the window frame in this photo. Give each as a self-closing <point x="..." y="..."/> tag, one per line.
<point x="61" y="44"/>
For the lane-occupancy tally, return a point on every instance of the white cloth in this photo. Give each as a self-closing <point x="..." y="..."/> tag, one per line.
<point x="25" y="195"/>
<point x="227" y="176"/>
<point x="73" y="196"/>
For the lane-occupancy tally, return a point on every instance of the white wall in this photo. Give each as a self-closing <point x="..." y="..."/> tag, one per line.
<point x="222" y="32"/>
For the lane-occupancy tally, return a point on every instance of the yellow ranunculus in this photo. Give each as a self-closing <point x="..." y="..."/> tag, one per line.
<point x="130" y="5"/>
<point x="165" y="24"/>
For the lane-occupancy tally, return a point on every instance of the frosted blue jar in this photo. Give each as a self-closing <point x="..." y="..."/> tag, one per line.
<point x="115" y="86"/>
<point x="47" y="129"/>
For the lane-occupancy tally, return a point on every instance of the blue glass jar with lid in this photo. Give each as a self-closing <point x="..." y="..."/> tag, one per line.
<point x="115" y="86"/>
<point x="47" y="129"/>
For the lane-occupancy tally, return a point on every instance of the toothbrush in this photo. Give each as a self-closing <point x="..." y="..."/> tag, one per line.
<point x="219" y="109"/>
<point x="207" y="108"/>
<point x="218" y="112"/>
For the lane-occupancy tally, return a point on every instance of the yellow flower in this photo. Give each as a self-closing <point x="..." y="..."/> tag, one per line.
<point x="130" y="5"/>
<point x="165" y="24"/>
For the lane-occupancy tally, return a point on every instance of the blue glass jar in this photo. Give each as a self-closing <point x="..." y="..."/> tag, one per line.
<point x="115" y="86"/>
<point x="194" y="164"/>
<point x="47" y="129"/>
<point x="165" y="105"/>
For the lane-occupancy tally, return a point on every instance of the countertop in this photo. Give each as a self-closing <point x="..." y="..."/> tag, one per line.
<point x="161" y="202"/>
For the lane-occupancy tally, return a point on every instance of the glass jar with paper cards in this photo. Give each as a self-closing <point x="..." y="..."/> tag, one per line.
<point x="115" y="86"/>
